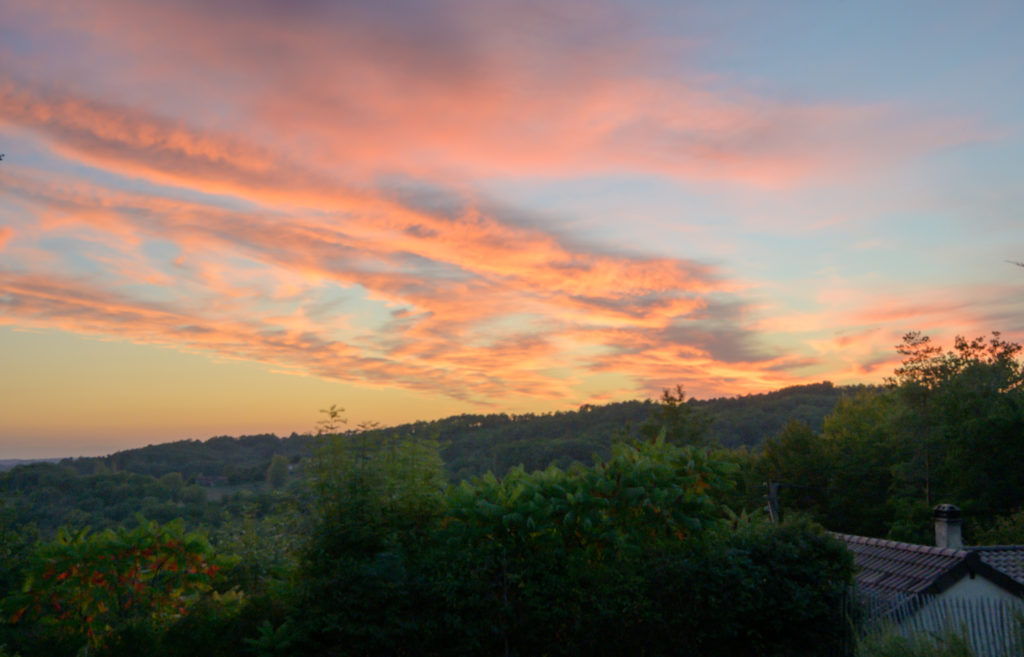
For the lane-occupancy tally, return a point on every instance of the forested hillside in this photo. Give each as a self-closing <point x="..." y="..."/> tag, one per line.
<point x="949" y="428"/>
<point x="391" y="541"/>
<point x="372" y="553"/>
<point x="239" y="459"/>
<point x="475" y="444"/>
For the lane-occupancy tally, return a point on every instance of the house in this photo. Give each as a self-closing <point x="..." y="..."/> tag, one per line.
<point x="945" y="586"/>
<point x="1008" y="559"/>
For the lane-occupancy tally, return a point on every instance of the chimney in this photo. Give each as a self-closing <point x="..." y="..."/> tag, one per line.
<point x="948" y="522"/>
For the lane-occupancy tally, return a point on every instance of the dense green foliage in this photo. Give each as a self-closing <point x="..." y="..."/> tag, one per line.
<point x="86" y="589"/>
<point x="277" y="472"/>
<point x="949" y="427"/>
<point x="472" y="445"/>
<point x="50" y="495"/>
<point x="633" y="528"/>
<point x="181" y="479"/>
<point x="629" y="555"/>
<point x="240" y="460"/>
<point x="603" y="560"/>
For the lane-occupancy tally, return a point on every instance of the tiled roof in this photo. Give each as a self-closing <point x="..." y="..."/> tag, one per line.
<point x="1008" y="559"/>
<point x="890" y="568"/>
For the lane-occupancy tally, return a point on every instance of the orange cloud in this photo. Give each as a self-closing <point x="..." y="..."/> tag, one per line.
<point x="469" y="315"/>
<point x="36" y="300"/>
<point x="276" y="198"/>
<point x="472" y="241"/>
<point x="348" y="92"/>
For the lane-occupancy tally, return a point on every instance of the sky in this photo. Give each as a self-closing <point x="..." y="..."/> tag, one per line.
<point x="219" y="217"/>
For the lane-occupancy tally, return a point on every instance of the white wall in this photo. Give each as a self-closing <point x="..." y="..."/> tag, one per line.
<point x="985" y="611"/>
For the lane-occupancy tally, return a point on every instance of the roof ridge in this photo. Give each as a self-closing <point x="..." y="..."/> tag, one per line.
<point x="889" y="567"/>
<point x="900" y="545"/>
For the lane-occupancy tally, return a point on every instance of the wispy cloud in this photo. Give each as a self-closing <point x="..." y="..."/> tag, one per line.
<point x="479" y="309"/>
<point x="460" y="91"/>
<point x="314" y="202"/>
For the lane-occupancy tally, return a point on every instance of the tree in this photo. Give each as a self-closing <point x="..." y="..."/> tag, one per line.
<point x="277" y="471"/>
<point x="375" y="499"/>
<point x="773" y="590"/>
<point x="965" y="421"/>
<point x="681" y="422"/>
<point x="798" y="462"/>
<point x="861" y="452"/>
<point x="554" y="561"/>
<point x="948" y="428"/>
<point x="332" y="423"/>
<point x="173" y="482"/>
<point x="1004" y="530"/>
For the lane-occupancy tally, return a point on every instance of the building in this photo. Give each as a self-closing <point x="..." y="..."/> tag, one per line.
<point x="941" y="587"/>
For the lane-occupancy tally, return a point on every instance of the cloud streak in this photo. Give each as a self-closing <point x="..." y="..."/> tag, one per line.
<point x="314" y="203"/>
<point x="472" y="91"/>
<point x="479" y="309"/>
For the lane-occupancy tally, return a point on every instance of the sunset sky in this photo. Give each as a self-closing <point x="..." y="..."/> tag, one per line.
<point x="219" y="217"/>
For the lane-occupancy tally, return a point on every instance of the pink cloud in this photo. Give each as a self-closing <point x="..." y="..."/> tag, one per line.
<point x="36" y="300"/>
<point x="298" y="114"/>
<point x="467" y="315"/>
<point x="481" y="252"/>
<point x="465" y="91"/>
<point x="488" y="307"/>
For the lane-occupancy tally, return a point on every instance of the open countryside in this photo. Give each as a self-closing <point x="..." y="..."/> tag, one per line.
<point x="511" y="328"/>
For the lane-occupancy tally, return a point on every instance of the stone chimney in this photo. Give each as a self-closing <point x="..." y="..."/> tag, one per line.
<point x="948" y="522"/>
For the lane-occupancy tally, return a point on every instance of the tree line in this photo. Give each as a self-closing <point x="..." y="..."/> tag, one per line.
<point x="367" y="545"/>
<point x="948" y="427"/>
<point x="634" y="554"/>
<point x="473" y="444"/>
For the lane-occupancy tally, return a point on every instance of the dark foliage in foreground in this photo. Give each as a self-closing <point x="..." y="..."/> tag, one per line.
<point x="630" y="556"/>
<point x="600" y="560"/>
<point x="657" y="549"/>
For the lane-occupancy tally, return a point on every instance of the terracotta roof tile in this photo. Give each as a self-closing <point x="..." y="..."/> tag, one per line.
<point x="894" y="568"/>
<point x="891" y="575"/>
<point x="1008" y="559"/>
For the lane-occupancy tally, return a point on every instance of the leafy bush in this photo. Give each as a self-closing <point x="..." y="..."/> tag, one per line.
<point x="762" y="590"/>
<point x="95" y="590"/>
<point x="892" y="644"/>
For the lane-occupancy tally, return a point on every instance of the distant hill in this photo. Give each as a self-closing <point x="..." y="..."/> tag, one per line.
<point x="474" y="444"/>
<point x="7" y="464"/>
<point x="750" y="419"/>
<point x="239" y="459"/>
